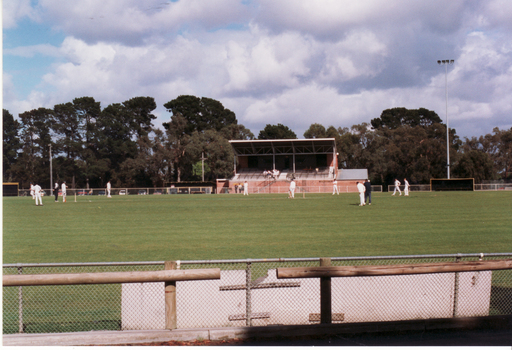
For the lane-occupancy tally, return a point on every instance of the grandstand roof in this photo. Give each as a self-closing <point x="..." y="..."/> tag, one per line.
<point x="283" y="147"/>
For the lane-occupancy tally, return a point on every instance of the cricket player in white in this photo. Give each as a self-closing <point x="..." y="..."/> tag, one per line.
<point x="37" y="194"/>
<point x="32" y="191"/>
<point x="246" y="188"/>
<point x="335" y="187"/>
<point x="108" y="189"/>
<point x="361" y="189"/>
<point x="292" y="189"/>
<point x="406" y="189"/>
<point x="397" y="187"/>
<point x="64" y="192"/>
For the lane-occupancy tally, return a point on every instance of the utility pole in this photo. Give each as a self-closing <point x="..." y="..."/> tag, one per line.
<point x="51" y="172"/>
<point x="202" y="164"/>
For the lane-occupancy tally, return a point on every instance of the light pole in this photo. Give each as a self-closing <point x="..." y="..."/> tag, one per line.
<point x="202" y="164"/>
<point x="51" y="173"/>
<point x="445" y="63"/>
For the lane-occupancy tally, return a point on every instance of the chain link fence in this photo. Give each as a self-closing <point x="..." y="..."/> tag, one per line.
<point x="70" y="192"/>
<point x="250" y="288"/>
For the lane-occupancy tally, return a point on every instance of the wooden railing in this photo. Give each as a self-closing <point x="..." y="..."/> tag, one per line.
<point x="170" y="275"/>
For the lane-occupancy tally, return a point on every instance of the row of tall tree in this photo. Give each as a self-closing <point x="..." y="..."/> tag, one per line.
<point x="89" y="146"/>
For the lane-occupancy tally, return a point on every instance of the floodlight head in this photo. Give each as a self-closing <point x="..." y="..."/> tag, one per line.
<point x="438" y="62"/>
<point x="451" y="61"/>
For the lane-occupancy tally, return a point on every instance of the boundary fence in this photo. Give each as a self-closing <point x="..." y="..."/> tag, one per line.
<point x="250" y="294"/>
<point x="263" y="190"/>
<point x="312" y="189"/>
<point x="477" y="187"/>
<point x="126" y="191"/>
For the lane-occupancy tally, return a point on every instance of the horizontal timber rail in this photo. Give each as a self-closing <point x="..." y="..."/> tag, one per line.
<point x="110" y="277"/>
<point x="387" y="270"/>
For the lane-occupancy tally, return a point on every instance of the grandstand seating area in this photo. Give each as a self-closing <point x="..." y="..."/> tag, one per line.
<point x="251" y="174"/>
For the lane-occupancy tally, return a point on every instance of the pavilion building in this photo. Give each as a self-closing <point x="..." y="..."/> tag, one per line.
<point x="269" y="165"/>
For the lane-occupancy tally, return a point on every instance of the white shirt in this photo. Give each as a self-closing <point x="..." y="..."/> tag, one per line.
<point x="360" y="188"/>
<point x="37" y="189"/>
<point x="292" y="185"/>
<point x="64" y="188"/>
<point x="108" y="185"/>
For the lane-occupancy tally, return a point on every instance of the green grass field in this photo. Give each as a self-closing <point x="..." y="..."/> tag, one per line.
<point x="204" y="227"/>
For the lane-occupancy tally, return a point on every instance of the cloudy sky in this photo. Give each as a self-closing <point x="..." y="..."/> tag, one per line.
<point x="294" y="62"/>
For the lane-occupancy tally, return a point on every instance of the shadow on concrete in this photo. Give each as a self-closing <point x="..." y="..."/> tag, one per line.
<point x="480" y="337"/>
<point x="473" y="331"/>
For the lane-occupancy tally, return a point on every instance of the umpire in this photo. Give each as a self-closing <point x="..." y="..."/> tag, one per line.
<point x="368" y="192"/>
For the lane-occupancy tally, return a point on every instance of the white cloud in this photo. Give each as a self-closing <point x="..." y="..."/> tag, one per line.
<point x="134" y="22"/>
<point x="293" y="62"/>
<point x="333" y="18"/>
<point x="32" y="50"/>
<point x="15" y="10"/>
<point x="359" y="54"/>
<point x="267" y="63"/>
<point x="497" y="13"/>
<point x="313" y="103"/>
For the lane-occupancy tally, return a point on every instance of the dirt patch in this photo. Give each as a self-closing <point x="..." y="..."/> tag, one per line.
<point x="191" y="343"/>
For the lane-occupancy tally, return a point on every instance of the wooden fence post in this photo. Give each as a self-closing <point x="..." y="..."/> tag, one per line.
<point x="325" y="295"/>
<point x="170" y="299"/>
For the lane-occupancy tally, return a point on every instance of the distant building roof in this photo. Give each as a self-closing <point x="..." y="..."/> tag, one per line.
<point x="283" y="147"/>
<point x="352" y="174"/>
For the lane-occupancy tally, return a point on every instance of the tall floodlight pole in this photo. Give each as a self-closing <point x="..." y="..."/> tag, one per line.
<point x="51" y="173"/>
<point x="445" y="63"/>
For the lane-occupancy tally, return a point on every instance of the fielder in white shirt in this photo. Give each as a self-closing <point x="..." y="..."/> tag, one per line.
<point x="406" y="189"/>
<point x="361" y="189"/>
<point x="335" y="187"/>
<point x="397" y="187"/>
<point x="37" y="194"/>
<point x="64" y="191"/>
<point x="291" y="192"/>
<point x="246" y="188"/>
<point x="108" y="189"/>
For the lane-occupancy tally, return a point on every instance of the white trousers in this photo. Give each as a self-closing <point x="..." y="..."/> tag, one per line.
<point x="397" y="189"/>
<point x="361" y="198"/>
<point x="38" y="198"/>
